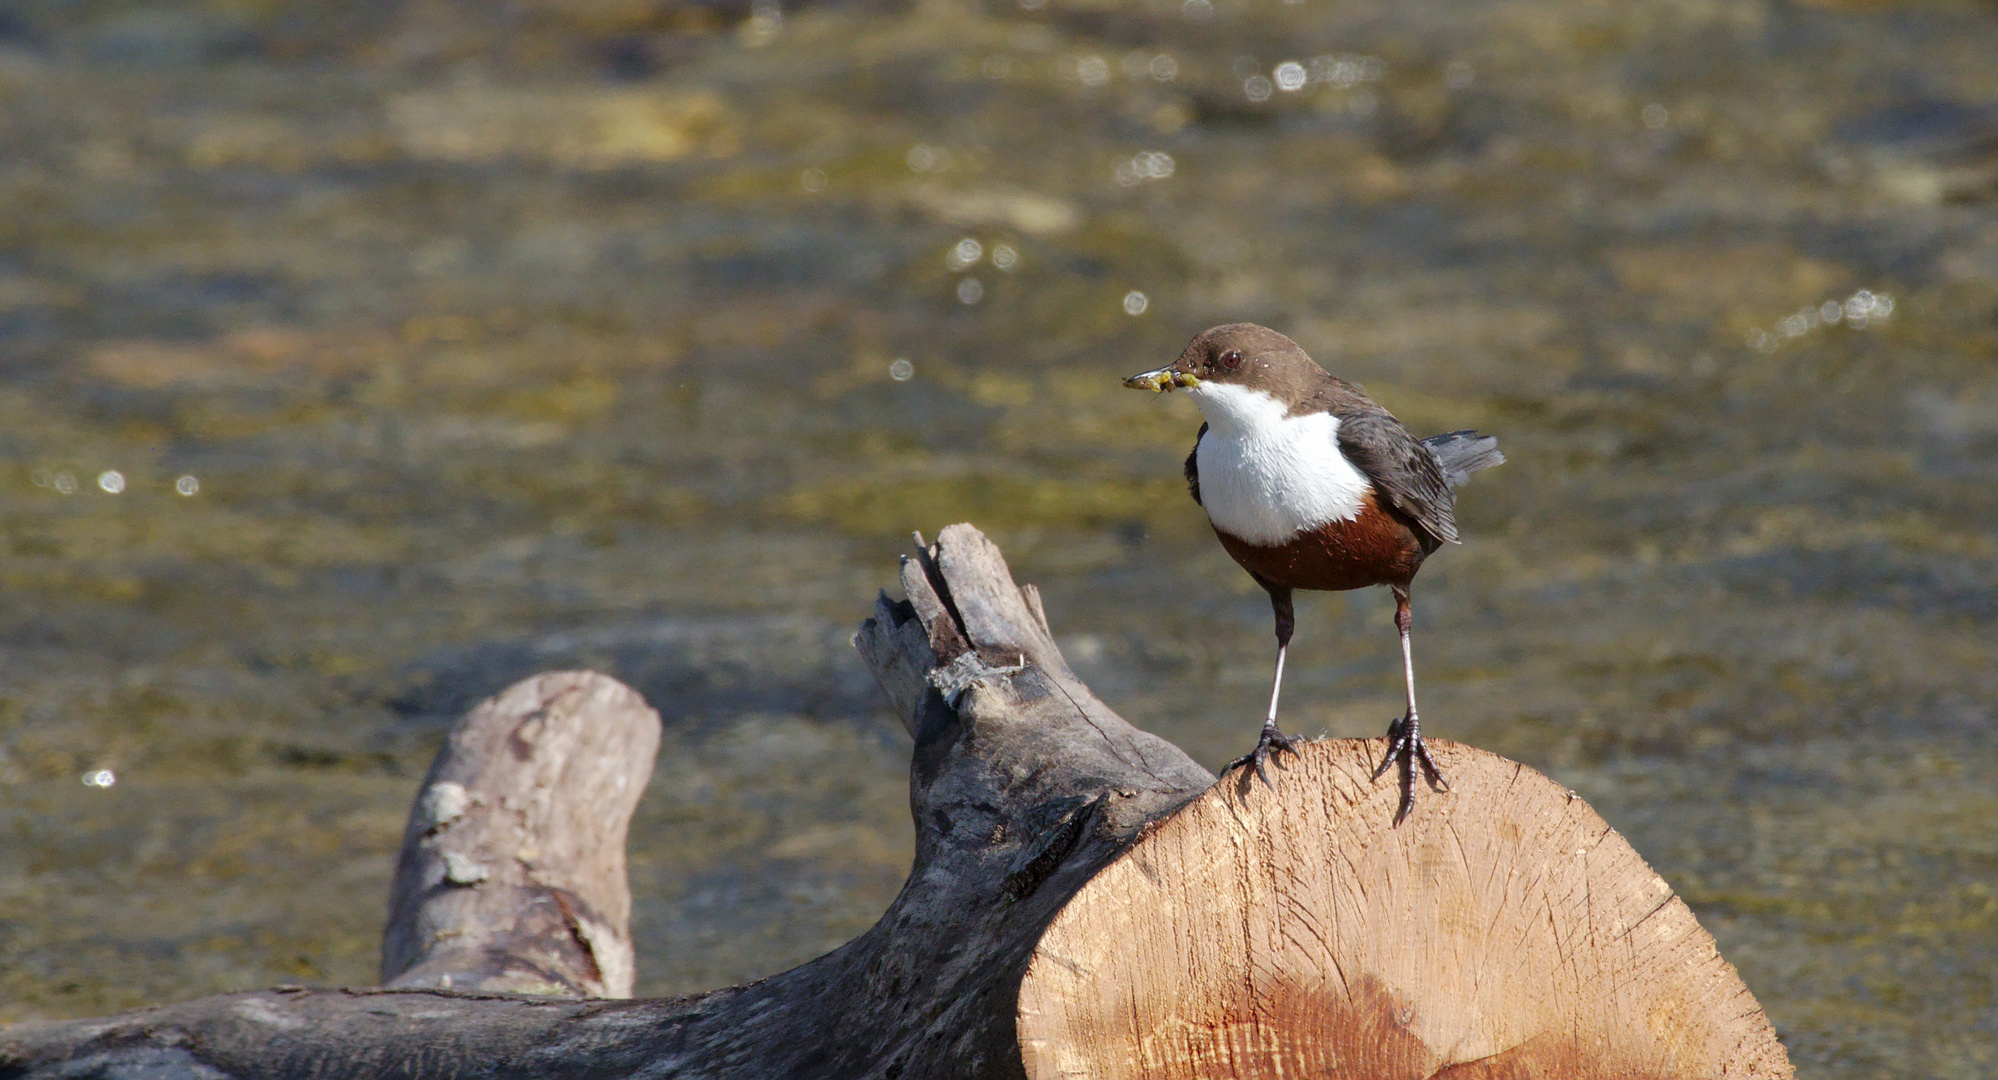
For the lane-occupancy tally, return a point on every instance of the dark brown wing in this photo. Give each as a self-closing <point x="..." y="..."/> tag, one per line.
<point x="1405" y="473"/>
<point x="1193" y="467"/>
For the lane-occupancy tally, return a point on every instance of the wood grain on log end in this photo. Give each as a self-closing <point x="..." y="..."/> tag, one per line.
<point x="1503" y="930"/>
<point x="512" y="874"/>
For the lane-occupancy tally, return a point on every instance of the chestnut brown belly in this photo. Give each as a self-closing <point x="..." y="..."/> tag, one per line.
<point x="1375" y="548"/>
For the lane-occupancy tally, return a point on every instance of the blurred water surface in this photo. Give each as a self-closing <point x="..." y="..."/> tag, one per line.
<point x="357" y="358"/>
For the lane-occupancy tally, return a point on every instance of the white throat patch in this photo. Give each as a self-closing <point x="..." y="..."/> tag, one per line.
<point x="1265" y="476"/>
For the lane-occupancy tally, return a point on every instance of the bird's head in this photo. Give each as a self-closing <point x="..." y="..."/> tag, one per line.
<point x="1237" y="353"/>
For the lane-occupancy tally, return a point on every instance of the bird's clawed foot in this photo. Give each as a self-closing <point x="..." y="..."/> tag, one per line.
<point x="1405" y="745"/>
<point x="1272" y="743"/>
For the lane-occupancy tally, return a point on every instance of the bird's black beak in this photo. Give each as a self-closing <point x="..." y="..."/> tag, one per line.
<point x="1162" y="380"/>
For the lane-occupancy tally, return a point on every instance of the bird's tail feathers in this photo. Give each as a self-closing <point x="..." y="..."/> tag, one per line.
<point x="1462" y="453"/>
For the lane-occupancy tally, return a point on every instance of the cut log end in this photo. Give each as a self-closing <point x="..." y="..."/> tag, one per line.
<point x="1502" y="930"/>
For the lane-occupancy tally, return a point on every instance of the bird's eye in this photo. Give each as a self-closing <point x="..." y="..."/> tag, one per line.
<point x="1231" y="359"/>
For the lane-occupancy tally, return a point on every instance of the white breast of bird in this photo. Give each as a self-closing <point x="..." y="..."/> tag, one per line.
<point x="1266" y="476"/>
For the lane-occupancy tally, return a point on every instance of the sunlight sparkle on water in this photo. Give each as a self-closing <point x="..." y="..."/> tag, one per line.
<point x="970" y="291"/>
<point x="926" y="158"/>
<point x="99" y="778"/>
<point x="1290" y="76"/>
<point x="1856" y="311"/>
<point x="1005" y="258"/>
<point x="1257" y="88"/>
<point x="1135" y="303"/>
<point x="901" y="370"/>
<point x="1149" y="165"/>
<point x="111" y="481"/>
<point x="187" y="485"/>
<point x="1347" y="70"/>
<point x="964" y="253"/>
<point x="766" y="19"/>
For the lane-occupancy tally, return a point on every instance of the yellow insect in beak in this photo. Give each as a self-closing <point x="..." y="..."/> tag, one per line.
<point x="1162" y="380"/>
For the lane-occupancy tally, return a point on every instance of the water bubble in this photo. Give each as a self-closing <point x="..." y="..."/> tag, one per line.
<point x="1795" y="325"/>
<point x="814" y="180"/>
<point x="99" y="778"/>
<point x="1092" y="70"/>
<point x="187" y="485"/>
<point x="1458" y="74"/>
<point x="998" y="67"/>
<point x="967" y="252"/>
<point x="1197" y="10"/>
<point x="65" y="483"/>
<point x="901" y="370"/>
<point x="112" y="481"/>
<point x="1656" y="117"/>
<point x="1830" y="312"/>
<point x="40" y="477"/>
<point x="970" y="291"/>
<point x="1005" y="258"/>
<point x="1164" y="68"/>
<point x="1257" y="88"/>
<point x="1290" y="76"/>
<point x="1135" y="303"/>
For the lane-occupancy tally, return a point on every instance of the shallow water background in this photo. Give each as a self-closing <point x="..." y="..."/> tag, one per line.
<point x="639" y="335"/>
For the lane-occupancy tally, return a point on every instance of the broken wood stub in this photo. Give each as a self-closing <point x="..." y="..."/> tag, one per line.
<point x="1503" y="930"/>
<point x="512" y="872"/>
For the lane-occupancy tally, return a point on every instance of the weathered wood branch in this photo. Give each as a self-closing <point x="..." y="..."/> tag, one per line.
<point x="512" y="876"/>
<point x="1085" y="901"/>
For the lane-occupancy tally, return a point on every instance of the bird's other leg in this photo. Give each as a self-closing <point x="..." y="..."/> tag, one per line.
<point x="1405" y="743"/>
<point x="1273" y="741"/>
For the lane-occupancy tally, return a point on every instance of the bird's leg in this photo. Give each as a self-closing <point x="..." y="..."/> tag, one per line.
<point x="1273" y="741"/>
<point x="1405" y="735"/>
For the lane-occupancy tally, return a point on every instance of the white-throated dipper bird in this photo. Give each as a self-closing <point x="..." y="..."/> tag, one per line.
<point x="1311" y="485"/>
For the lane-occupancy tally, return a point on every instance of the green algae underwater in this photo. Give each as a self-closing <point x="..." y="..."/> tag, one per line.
<point x="358" y="358"/>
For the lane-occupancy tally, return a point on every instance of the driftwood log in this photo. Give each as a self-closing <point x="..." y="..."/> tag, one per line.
<point x="1086" y="901"/>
